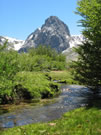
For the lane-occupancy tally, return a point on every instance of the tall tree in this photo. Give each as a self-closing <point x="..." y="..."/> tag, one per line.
<point x="87" y="69"/>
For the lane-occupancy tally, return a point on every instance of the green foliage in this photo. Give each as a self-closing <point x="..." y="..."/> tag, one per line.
<point x="8" y="69"/>
<point x="42" y="58"/>
<point x="43" y="50"/>
<point x="3" y="47"/>
<point x="90" y="10"/>
<point x="18" y="79"/>
<point x="77" y="122"/>
<point x="87" y="70"/>
<point x="31" y="85"/>
<point x="8" y="64"/>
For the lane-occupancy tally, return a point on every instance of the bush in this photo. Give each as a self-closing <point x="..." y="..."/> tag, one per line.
<point x="29" y="85"/>
<point x="8" y="69"/>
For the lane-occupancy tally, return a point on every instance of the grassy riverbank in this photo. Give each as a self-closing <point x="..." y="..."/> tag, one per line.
<point x="7" y="108"/>
<point x="41" y="82"/>
<point x="63" y="76"/>
<point x="81" y="121"/>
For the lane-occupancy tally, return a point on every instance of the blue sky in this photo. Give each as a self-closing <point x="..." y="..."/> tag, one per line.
<point x="18" y="18"/>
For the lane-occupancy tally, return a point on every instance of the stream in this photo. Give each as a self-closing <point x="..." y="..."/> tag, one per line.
<point x="71" y="97"/>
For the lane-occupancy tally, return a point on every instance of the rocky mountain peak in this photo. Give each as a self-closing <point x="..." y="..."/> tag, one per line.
<point x="52" y="20"/>
<point x="58" y="25"/>
<point x="53" y="32"/>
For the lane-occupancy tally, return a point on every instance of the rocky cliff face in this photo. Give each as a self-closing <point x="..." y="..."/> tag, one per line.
<point x="12" y="42"/>
<point x="54" y="33"/>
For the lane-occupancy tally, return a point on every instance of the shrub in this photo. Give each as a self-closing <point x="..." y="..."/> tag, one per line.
<point x="29" y="85"/>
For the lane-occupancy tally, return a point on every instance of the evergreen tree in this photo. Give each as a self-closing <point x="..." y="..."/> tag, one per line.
<point x="87" y="69"/>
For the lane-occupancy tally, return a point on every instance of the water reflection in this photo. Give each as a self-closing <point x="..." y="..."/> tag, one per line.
<point x="72" y="96"/>
<point x="93" y="98"/>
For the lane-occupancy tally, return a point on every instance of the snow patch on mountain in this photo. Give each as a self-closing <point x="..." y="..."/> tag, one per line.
<point x="14" y="43"/>
<point x="76" y="40"/>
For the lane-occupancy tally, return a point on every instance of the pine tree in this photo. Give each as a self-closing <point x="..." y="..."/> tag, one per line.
<point x="87" y="69"/>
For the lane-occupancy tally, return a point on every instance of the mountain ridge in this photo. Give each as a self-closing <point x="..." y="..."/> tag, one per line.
<point x="74" y="41"/>
<point x="53" y="32"/>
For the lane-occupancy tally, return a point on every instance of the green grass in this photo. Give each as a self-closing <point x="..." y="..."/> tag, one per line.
<point x="62" y="76"/>
<point x="78" y="122"/>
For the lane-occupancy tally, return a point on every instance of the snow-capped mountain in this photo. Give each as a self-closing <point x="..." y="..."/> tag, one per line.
<point x="53" y="32"/>
<point x="13" y="42"/>
<point x="76" y="40"/>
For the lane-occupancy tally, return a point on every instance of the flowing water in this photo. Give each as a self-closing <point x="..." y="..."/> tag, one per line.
<point x="71" y="97"/>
